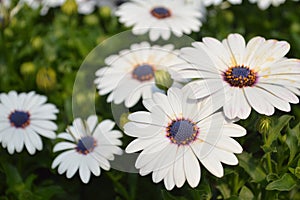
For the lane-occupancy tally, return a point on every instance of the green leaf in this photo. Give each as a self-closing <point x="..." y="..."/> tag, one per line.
<point x="246" y="193"/>
<point x="292" y="141"/>
<point x="272" y="177"/>
<point x="47" y="192"/>
<point x="250" y="165"/>
<point x="13" y="178"/>
<point x="167" y="196"/>
<point x="275" y="130"/>
<point x="225" y="190"/>
<point x="285" y="183"/>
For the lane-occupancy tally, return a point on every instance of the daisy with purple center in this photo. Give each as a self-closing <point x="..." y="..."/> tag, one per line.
<point x="160" y="17"/>
<point x="23" y="118"/>
<point x="87" y="147"/>
<point x="177" y="133"/>
<point x="131" y="74"/>
<point x="253" y="75"/>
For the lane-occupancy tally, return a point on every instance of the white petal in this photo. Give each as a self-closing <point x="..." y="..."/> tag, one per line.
<point x="191" y="168"/>
<point x="234" y="130"/>
<point x="63" y="146"/>
<point x="93" y="166"/>
<point x="179" y="175"/>
<point x="92" y="122"/>
<point x="213" y="165"/>
<point x="169" y="179"/>
<point x="140" y="144"/>
<point x="257" y="100"/>
<point x="174" y="97"/>
<point x="237" y="106"/>
<point x="84" y="171"/>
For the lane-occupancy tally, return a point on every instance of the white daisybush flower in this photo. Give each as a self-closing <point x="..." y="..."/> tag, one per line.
<point x="218" y="2"/>
<point x="88" y="147"/>
<point x="160" y="17"/>
<point x="43" y="4"/>
<point x="131" y="74"/>
<point x="264" y="4"/>
<point x="86" y="7"/>
<point x="179" y="132"/>
<point x="23" y="118"/>
<point x="253" y="75"/>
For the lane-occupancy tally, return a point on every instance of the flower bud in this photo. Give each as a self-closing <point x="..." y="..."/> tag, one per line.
<point x="264" y="125"/>
<point x="105" y="12"/>
<point x="37" y="42"/>
<point x="27" y="68"/>
<point x="46" y="79"/>
<point x="123" y="119"/>
<point x="69" y="7"/>
<point x="163" y="79"/>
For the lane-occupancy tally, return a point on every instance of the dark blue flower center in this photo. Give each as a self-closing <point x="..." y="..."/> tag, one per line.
<point x="143" y="72"/>
<point x="182" y="131"/>
<point x="243" y="72"/>
<point x="19" y="119"/>
<point x="160" y="12"/>
<point x="86" y="145"/>
<point x="240" y="76"/>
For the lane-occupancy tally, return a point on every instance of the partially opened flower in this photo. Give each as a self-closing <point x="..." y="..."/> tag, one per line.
<point x="179" y="132"/>
<point x="24" y="118"/>
<point x="160" y="17"/>
<point x="87" y="147"/>
<point x="131" y="74"/>
<point x="253" y="75"/>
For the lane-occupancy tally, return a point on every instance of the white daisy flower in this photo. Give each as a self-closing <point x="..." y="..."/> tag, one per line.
<point x="131" y="74"/>
<point x="86" y="7"/>
<point x="45" y="5"/>
<point x="264" y="4"/>
<point x="160" y="17"/>
<point x="23" y="118"/>
<point x="88" y="147"/>
<point x="253" y="75"/>
<point x="177" y="133"/>
<point x="218" y="2"/>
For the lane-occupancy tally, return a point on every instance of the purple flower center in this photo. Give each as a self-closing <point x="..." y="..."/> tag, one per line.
<point x="143" y="72"/>
<point x="182" y="131"/>
<point x="240" y="76"/>
<point x="19" y="119"/>
<point x="86" y="145"/>
<point x="160" y="12"/>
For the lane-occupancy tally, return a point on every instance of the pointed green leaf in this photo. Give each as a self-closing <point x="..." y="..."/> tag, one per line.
<point x="285" y="183"/>
<point x="292" y="141"/>
<point x="275" y="130"/>
<point x="246" y="194"/>
<point x="251" y="166"/>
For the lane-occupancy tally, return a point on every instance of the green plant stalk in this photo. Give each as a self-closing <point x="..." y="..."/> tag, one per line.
<point x="268" y="155"/>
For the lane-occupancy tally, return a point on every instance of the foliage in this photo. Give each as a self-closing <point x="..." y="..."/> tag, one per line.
<point x="30" y="44"/>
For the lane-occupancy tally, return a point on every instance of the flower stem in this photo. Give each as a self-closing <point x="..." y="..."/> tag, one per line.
<point x="268" y="155"/>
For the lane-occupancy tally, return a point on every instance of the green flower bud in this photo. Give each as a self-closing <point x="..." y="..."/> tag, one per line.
<point x="123" y="119"/>
<point x="37" y="42"/>
<point x="163" y="79"/>
<point x="46" y="79"/>
<point x="69" y="7"/>
<point x="91" y="20"/>
<point x="27" y="68"/>
<point x="105" y="12"/>
<point x="264" y="125"/>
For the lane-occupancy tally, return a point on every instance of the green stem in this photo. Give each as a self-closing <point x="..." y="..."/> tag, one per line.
<point x="268" y="155"/>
